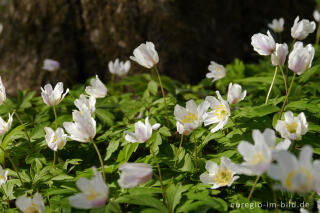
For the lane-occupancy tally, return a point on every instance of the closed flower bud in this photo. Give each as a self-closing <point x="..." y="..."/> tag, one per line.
<point x="263" y="44"/>
<point x="50" y="65"/>
<point x="96" y="89"/>
<point x="235" y="94"/>
<point x="133" y="174"/>
<point x="301" y="29"/>
<point x="145" y="55"/>
<point x="300" y="58"/>
<point x="278" y="57"/>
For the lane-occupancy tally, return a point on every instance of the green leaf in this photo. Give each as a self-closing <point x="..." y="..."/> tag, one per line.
<point x="144" y="200"/>
<point x="153" y="87"/>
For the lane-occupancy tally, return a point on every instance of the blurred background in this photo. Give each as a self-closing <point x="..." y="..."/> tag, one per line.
<point x="83" y="35"/>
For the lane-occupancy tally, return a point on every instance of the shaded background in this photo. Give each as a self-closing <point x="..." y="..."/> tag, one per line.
<point x="83" y="35"/>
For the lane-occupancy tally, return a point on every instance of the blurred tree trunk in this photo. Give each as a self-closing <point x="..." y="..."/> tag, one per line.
<point x="83" y="35"/>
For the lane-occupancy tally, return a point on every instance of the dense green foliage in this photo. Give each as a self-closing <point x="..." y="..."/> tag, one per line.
<point x="138" y="95"/>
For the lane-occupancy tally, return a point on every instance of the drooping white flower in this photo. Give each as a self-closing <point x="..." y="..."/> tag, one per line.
<point x="219" y="176"/>
<point x="145" y="55"/>
<point x="119" y="68"/>
<point x="235" y="94"/>
<point x="301" y="29"/>
<point x="86" y="104"/>
<point x="190" y="117"/>
<point x="133" y="174"/>
<point x="56" y="140"/>
<point x="96" y="89"/>
<point x="143" y="131"/>
<point x="316" y="15"/>
<point x="300" y="58"/>
<point x="50" y="65"/>
<point x="3" y="95"/>
<point x="277" y="25"/>
<point x="269" y="137"/>
<point x="83" y="129"/>
<point x="51" y="96"/>
<point x="181" y="130"/>
<point x="292" y="127"/>
<point x="296" y="175"/>
<point x="219" y="114"/>
<point x="258" y="156"/>
<point x="278" y="57"/>
<point x="94" y="192"/>
<point x="30" y="205"/>
<point x="3" y="175"/>
<point x="5" y="126"/>
<point x="216" y="71"/>
<point x="263" y="44"/>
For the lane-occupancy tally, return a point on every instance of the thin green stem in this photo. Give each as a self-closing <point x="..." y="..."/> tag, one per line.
<point x="177" y="156"/>
<point x="195" y="152"/>
<point x="56" y="121"/>
<point x="271" y="85"/>
<point x="287" y="96"/>
<point x="164" y="194"/>
<point x="163" y="94"/>
<point x="253" y="186"/>
<point x="20" y="121"/>
<point x="101" y="161"/>
<point x="12" y="163"/>
<point x="284" y="79"/>
<point x="293" y="145"/>
<point x="317" y="37"/>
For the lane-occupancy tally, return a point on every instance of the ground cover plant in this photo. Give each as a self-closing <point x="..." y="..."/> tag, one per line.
<point x="242" y="140"/>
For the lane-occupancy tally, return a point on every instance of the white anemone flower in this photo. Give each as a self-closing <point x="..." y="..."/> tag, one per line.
<point x="119" y="68"/>
<point x="86" y="104"/>
<point x="292" y="127"/>
<point x="235" y="94"/>
<point x="263" y="44"/>
<point x="316" y="15"/>
<point x="96" y="89"/>
<point x="278" y="57"/>
<point x="83" y="129"/>
<point x="277" y="25"/>
<point x="301" y="29"/>
<point x="220" y="112"/>
<point x="29" y="205"/>
<point x="269" y="137"/>
<point x="145" y="55"/>
<point x="133" y="174"/>
<point x="296" y="175"/>
<point x="219" y="176"/>
<point x="50" y="65"/>
<point x="56" y="140"/>
<point x="3" y="95"/>
<point x="94" y="192"/>
<point x="5" y="126"/>
<point x="181" y="130"/>
<point x="143" y="131"/>
<point x="258" y="156"/>
<point x="300" y="58"/>
<point x="51" y="96"/>
<point x="3" y="175"/>
<point x="190" y="117"/>
<point x="216" y="71"/>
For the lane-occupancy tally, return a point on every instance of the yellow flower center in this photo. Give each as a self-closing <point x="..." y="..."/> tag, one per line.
<point x="92" y="195"/>
<point x="257" y="158"/>
<point x="189" y="118"/>
<point x="218" y="69"/>
<point x="301" y="174"/>
<point x="1" y="178"/>
<point x="292" y="127"/>
<point x="54" y="139"/>
<point x="32" y="209"/>
<point x="221" y="111"/>
<point x="223" y="177"/>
